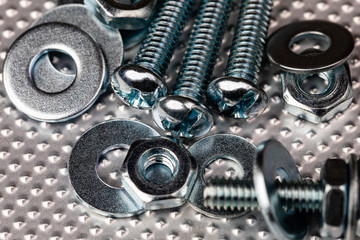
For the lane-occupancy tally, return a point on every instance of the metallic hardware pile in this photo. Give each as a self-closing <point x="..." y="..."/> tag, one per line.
<point x="159" y="173"/>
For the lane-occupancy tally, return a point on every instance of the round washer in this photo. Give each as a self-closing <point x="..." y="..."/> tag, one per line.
<point x="214" y="147"/>
<point x="84" y="159"/>
<point x="69" y="103"/>
<point x="272" y="161"/>
<point x="109" y="39"/>
<point x="179" y="179"/>
<point x="340" y="49"/>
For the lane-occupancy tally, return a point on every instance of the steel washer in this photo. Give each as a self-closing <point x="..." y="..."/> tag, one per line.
<point x="109" y="39"/>
<point x="211" y="148"/>
<point x="84" y="158"/>
<point x="69" y="103"/>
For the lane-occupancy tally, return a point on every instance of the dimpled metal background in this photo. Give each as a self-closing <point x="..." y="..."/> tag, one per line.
<point x="36" y="198"/>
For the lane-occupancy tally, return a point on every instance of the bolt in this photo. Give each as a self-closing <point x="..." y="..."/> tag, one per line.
<point x="183" y="113"/>
<point x="140" y="84"/>
<point x="236" y="95"/>
<point x="240" y="195"/>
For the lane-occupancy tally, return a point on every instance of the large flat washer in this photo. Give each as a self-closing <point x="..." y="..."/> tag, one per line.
<point x="109" y="39"/>
<point x="64" y="105"/>
<point x="96" y="194"/>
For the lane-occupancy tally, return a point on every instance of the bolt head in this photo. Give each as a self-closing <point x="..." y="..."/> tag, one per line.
<point x="183" y="116"/>
<point x="236" y="98"/>
<point x="137" y="86"/>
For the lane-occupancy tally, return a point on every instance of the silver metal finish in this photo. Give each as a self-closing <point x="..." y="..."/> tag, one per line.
<point x="219" y="147"/>
<point x="236" y="95"/>
<point x="141" y="84"/>
<point x="62" y="105"/>
<point x="325" y="61"/>
<point x="36" y="198"/>
<point x="85" y="156"/>
<point x="183" y="113"/>
<point x="160" y="173"/>
<point x="123" y="16"/>
<point x="109" y="39"/>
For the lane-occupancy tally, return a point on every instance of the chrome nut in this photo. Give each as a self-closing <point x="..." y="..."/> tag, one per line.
<point x="159" y="173"/>
<point x="317" y="107"/>
<point x="334" y="205"/>
<point x="123" y="16"/>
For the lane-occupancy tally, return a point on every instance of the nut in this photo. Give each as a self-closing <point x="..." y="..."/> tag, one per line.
<point x="317" y="107"/>
<point x="334" y="205"/>
<point x="159" y="173"/>
<point x="123" y="16"/>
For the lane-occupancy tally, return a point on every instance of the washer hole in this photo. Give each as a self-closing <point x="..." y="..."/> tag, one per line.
<point x="53" y="71"/>
<point x="316" y="84"/>
<point x="110" y="165"/>
<point x="223" y="167"/>
<point x="159" y="165"/>
<point x="313" y="43"/>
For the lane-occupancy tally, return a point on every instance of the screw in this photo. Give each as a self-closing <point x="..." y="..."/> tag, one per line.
<point x="236" y="95"/>
<point x="183" y="113"/>
<point x="240" y="195"/>
<point x="140" y="84"/>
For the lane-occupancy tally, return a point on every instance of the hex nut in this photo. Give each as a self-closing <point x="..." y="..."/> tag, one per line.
<point x="322" y="106"/>
<point x="123" y="16"/>
<point x="334" y="205"/>
<point x="159" y="173"/>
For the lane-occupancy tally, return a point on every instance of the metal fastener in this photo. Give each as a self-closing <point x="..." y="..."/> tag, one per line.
<point x="140" y="84"/>
<point x="286" y="201"/>
<point x="183" y="112"/>
<point x="236" y="95"/>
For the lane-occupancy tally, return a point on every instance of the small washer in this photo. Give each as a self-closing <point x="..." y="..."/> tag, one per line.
<point x="208" y="150"/>
<point x="272" y="161"/>
<point x="109" y="39"/>
<point x="338" y="52"/>
<point x="68" y="103"/>
<point x="84" y="159"/>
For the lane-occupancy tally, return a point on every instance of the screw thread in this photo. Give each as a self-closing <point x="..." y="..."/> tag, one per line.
<point x="248" y="46"/>
<point x="240" y="195"/>
<point x="163" y="35"/>
<point x="203" y="47"/>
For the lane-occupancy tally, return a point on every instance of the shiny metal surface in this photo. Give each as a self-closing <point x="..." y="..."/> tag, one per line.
<point x="120" y="15"/>
<point x="160" y="173"/>
<point x="273" y="162"/>
<point x="36" y="198"/>
<point x="353" y="215"/>
<point x="86" y="155"/>
<point x="223" y="147"/>
<point x="108" y="39"/>
<point x="66" y="103"/>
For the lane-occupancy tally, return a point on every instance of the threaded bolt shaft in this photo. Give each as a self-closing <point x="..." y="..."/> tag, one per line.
<point x="163" y="35"/>
<point x="248" y="46"/>
<point x="203" y="48"/>
<point x="240" y="195"/>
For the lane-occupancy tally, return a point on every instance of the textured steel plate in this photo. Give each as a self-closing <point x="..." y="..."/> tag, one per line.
<point x="36" y="199"/>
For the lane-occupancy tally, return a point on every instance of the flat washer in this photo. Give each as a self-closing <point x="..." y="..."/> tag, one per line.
<point x="211" y="148"/>
<point x="109" y="39"/>
<point x="66" y="104"/>
<point x="85" y="156"/>
<point x="272" y="161"/>
<point x="340" y="49"/>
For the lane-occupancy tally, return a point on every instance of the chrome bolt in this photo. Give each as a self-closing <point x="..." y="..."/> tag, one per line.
<point x="236" y="95"/>
<point x="183" y="113"/>
<point x="240" y="195"/>
<point x="140" y="84"/>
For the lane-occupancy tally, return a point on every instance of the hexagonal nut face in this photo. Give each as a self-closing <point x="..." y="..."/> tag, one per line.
<point x="334" y="93"/>
<point x="334" y="206"/>
<point x="123" y="16"/>
<point x="159" y="173"/>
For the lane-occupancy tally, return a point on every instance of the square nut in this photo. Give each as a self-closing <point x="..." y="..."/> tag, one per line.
<point x="123" y="16"/>
<point x="333" y="96"/>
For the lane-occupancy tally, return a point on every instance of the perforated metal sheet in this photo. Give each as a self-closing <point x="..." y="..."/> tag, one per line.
<point x="36" y="199"/>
